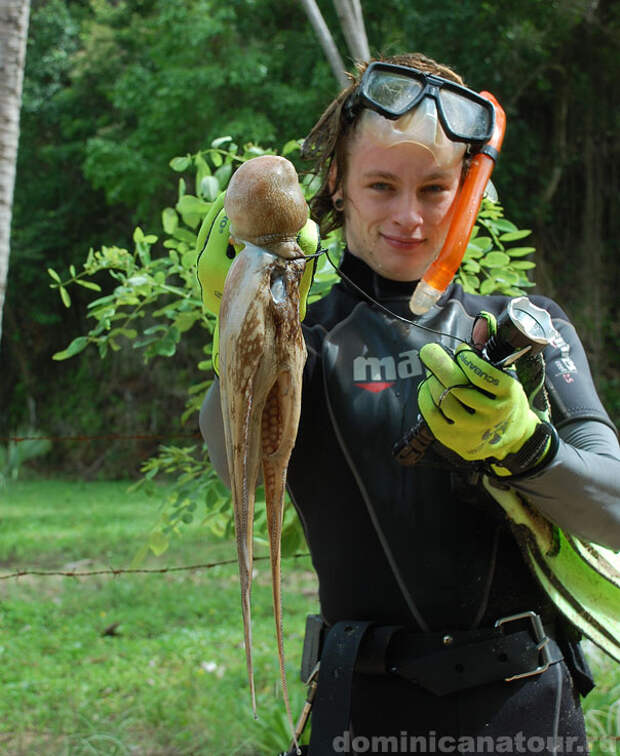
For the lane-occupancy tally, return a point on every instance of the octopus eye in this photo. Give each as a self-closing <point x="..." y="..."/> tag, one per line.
<point x="278" y="287"/>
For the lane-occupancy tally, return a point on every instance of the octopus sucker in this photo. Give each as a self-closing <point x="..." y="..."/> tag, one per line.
<point x="262" y="355"/>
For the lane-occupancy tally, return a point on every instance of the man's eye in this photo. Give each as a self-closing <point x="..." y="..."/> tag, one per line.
<point x="435" y="188"/>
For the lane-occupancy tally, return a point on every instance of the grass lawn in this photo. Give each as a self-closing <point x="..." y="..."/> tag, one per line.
<point x="170" y="678"/>
<point x="151" y="664"/>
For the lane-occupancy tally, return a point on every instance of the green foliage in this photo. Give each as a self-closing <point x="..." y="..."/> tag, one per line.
<point x="489" y="264"/>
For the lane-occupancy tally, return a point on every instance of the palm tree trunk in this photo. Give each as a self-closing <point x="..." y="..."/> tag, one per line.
<point x="352" y="25"/>
<point x="14" y="15"/>
<point x="327" y="41"/>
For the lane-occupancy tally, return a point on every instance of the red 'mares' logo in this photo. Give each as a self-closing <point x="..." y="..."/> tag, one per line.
<point x="375" y="374"/>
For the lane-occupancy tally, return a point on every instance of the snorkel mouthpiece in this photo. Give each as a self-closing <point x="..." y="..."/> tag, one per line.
<point x="442" y="270"/>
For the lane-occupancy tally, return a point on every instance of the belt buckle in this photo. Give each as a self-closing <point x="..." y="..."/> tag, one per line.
<point x="541" y="639"/>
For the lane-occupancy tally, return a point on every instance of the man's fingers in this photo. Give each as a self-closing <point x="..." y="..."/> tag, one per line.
<point x="442" y="365"/>
<point x="452" y="401"/>
<point x="480" y="373"/>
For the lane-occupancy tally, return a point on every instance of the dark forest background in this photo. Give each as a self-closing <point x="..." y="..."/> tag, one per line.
<point x="114" y="90"/>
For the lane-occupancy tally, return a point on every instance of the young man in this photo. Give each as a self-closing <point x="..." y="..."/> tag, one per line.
<point x="417" y="565"/>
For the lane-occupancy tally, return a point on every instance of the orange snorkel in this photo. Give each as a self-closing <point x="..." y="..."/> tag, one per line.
<point x="443" y="269"/>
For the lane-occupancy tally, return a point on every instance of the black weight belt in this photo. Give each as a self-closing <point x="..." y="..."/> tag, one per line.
<point x="441" y="663"/>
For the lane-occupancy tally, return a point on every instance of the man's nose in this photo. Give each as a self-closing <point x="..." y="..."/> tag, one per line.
<point x="407" y="212"/>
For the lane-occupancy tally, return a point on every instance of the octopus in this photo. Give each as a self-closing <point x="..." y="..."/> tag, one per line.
<point x="262" y="356"/>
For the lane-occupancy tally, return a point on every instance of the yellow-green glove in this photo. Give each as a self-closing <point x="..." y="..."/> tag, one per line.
<point x="480" y="411"/>
<point x="530" y="369"/>
<point x="216" y="252"/>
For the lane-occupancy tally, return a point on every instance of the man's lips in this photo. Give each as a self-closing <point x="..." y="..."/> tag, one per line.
<point x="404" y="243"/>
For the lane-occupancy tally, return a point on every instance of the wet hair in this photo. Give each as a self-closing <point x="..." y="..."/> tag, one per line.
<point x="327" y="143"/>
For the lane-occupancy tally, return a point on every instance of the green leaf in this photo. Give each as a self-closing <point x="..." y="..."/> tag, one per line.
<point x="472" y="252"/>
<point x="64" y="295"/>
<point x="291" y="540"/>
<point x="223" y="174"/>
<point x="514" y="235"/>
<point x="72" y="270"/>
<point x="169" y="220"/>
<point x="88" y="284"/>
<point x="158" y="542"/>
<point x="504" y="225"/>
<point x="190" y="205"/>
<point x="483" y="243"/>
<point x="182" y="234"/>
<point x="469" y="283"/>
<point x="289" y="147"/>
<point x="514" y="291"/>
<point x="185" y="320"/>
<point x="75" y="347"/>
<point x="138" y="235"/>
<point x="102" y="301"/>
<point x="520" y="251"/>
<point x="193" y="220"/>
<point x="217" y="159"/>
<point x="495" y="260"/>
<point x="523" y="264"/>
<point x="488" y="286"/>
<point x="210" y="188"/>
<point x="180" y="164"/>
<point x="220" y="141"/>
<point x="188" y="258"/>
<point x="202" y="170"/>
<point x="53" y="274"/>
<point x="471" y="266"/>
<point x="138" y="280"/>
<point x="507" y="277"/>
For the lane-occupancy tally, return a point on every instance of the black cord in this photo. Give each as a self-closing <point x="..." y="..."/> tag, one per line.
<point x="383" y="307"/>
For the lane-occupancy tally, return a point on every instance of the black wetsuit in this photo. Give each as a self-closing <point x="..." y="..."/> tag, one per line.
<point x="425" y="547"/>
<point x="453" y="561"/>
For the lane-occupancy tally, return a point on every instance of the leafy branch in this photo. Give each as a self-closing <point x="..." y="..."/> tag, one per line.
<point x="489" y="264"/>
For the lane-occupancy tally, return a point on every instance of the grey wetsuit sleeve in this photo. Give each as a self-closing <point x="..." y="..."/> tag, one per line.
<point x="212" y="429"/>
<point x="580" y="489"/>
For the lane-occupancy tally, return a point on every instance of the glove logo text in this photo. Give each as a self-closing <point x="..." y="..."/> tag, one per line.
<point x="478" y="371"/>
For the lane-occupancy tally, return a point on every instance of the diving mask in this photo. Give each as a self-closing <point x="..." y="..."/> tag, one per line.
<point x="393" y="91"/>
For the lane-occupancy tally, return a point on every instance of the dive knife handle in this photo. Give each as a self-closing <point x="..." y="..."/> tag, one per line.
<point x="410" y="449"/>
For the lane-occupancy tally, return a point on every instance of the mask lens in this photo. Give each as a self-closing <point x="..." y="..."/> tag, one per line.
<point x="392" y="92"/>
<point x="465" y="117"/>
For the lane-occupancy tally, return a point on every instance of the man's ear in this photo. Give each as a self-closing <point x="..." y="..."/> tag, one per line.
<point x="331" y="179"/>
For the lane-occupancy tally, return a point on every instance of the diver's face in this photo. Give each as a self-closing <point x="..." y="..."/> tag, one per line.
<point x="397" y="205"/>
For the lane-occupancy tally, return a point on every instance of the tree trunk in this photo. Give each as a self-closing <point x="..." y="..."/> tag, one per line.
<point x="327" y="41"/>
<point x="352" y="24"/>
<point x="14" y="15"/>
